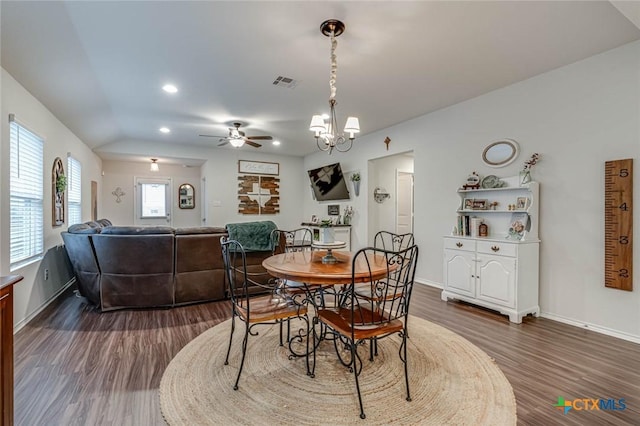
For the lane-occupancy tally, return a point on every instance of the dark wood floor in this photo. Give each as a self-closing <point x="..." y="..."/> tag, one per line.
<point x="76" y="366"/>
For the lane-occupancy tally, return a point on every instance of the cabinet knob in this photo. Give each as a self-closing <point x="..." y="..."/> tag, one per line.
<point x="458" y="244"/>
<point x="495" y="248"/>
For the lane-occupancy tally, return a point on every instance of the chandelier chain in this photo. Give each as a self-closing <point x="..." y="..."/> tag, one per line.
<point x="334" y="67"/>
<point x="327" y="135"/>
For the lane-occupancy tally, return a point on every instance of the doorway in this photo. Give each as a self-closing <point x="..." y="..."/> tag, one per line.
<point x="393" y="175"/>
<point x="153" y="201"/>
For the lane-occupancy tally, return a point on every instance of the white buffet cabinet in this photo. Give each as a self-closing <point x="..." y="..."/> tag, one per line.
<point x="496" y="274"/>
<point x="497" y="271"/>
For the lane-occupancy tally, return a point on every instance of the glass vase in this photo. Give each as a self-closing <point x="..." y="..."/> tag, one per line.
<point x="525" y="177"/>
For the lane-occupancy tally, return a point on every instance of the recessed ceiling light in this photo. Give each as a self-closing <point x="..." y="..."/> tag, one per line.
<point x="165" y="129"/>
<point x="169" y="88"/>
<point x="276" y="143"/>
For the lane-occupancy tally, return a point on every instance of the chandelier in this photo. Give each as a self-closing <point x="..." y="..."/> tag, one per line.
<point x="154" y="165"/>
<point x="327" y="136"/>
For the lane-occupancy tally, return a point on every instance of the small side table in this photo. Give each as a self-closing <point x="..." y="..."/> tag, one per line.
<point x="329" y="257"/>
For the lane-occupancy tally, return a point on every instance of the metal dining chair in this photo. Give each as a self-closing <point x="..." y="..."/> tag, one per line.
<point x="287" y="241"/>
<point x="254" y="310"/>
<point x="391" y="241"/>
<point x="383" y="313"/>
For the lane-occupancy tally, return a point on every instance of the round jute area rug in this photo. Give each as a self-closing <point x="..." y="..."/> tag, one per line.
<point x="452" y="382"/>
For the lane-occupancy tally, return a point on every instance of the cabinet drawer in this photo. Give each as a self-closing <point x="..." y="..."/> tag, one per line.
<point x="459" y="244"/>
<point x="498" y="248"/>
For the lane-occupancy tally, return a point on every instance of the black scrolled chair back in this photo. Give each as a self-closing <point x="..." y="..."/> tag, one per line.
<point x="389" y="296"/>
<point x="240" y="280"/>
<point x="235" y="266"/>
<point x="394" y="242"/>
<point x="283" y="241"/>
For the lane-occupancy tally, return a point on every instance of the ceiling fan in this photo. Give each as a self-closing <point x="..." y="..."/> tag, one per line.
<point x="237" y="138"/>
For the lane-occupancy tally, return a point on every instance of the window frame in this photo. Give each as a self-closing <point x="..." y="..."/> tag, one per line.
<point x="26" y="193"/>
<point x="71" y="193"/>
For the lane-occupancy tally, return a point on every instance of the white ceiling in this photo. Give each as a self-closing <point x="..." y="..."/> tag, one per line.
<point x="99" y="66"/>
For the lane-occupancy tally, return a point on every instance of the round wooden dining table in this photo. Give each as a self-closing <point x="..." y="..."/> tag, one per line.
<point x="307" y="267"/>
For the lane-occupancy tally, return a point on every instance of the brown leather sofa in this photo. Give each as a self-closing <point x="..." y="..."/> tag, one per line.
<point x="120" y="267"/>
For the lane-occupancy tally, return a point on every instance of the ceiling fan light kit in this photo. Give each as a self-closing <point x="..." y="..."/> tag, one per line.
<point x="237" y="138"/>
<point x="326" y="134"/>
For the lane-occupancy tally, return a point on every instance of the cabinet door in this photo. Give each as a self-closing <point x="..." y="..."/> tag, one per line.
<point x="459" y="271"/>
<point x="344" y="234"/>
<point x="497" y="279"/>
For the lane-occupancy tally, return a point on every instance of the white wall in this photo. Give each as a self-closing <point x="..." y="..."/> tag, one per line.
<point x="576" y="117"/>
<point x="221" y="174"/>
<point x="122" y="174"/>
<point x="34" y="292"/>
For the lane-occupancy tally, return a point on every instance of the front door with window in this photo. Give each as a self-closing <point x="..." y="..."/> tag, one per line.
<point x="153" y="201"/>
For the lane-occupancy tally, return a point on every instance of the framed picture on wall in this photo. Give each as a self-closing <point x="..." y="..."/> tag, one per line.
<point x="333" y="209"/>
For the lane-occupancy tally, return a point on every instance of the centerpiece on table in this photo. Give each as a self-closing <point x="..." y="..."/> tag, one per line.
<point x="328" y="234"/>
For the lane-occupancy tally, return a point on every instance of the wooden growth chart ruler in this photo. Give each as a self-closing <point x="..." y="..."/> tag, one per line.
<point x="618" y="224"/>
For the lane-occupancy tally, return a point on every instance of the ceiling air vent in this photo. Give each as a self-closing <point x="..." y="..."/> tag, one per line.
<point x="285" y="82"/>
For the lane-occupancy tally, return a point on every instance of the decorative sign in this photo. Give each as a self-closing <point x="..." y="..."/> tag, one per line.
<point x="258" y="167"/>
<point x="618" y="224"/>
<point x="258" y="194"/>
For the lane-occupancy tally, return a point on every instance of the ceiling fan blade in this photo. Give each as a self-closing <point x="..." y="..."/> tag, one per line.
<point x="253" y="144"/>
<point x="223" y="143"/>
<point x="260" y="138"/>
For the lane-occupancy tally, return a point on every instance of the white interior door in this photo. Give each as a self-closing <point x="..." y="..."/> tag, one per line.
<point x="404" y="203"/>
<point x="153" y="201"/>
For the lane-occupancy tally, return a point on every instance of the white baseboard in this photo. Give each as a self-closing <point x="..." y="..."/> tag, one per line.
<point x="592" y="327"/>
<point x="587" y="326"/>
<point x="429" y="283"/>
<point x="33" y="314"/>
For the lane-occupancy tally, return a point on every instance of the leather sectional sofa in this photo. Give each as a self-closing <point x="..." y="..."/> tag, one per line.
<point x="119" y="267"/>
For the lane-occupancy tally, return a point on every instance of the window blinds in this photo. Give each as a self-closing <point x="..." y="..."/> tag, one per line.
<point x="74" y="192"/>
<point x="26" y="187"/>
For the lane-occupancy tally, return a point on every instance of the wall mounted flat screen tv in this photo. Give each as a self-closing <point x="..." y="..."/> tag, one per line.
<point x="328" y="183"/>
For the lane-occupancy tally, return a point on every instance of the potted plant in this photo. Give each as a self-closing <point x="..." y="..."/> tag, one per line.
<point x="355" y="178"/>
<point x="525" y="173"/>
<point x="61" y="183"/>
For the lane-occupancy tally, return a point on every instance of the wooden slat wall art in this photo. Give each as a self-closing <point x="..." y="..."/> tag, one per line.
<point x="618" y="225"/>
<point x="258" y="194"/>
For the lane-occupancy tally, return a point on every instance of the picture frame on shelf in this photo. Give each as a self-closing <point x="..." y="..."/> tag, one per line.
<point x="314" y="219"/>
<point x="468" y="204"/>
<point x="480" y="204"/>
<point x="519" y="226"/>
<point x="522" y="203"/>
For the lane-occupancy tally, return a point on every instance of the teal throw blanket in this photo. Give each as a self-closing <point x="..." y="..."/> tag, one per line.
<point x="253" y="236"/>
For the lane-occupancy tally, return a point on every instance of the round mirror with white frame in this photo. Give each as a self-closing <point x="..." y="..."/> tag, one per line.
<point x="500" y="153"/>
